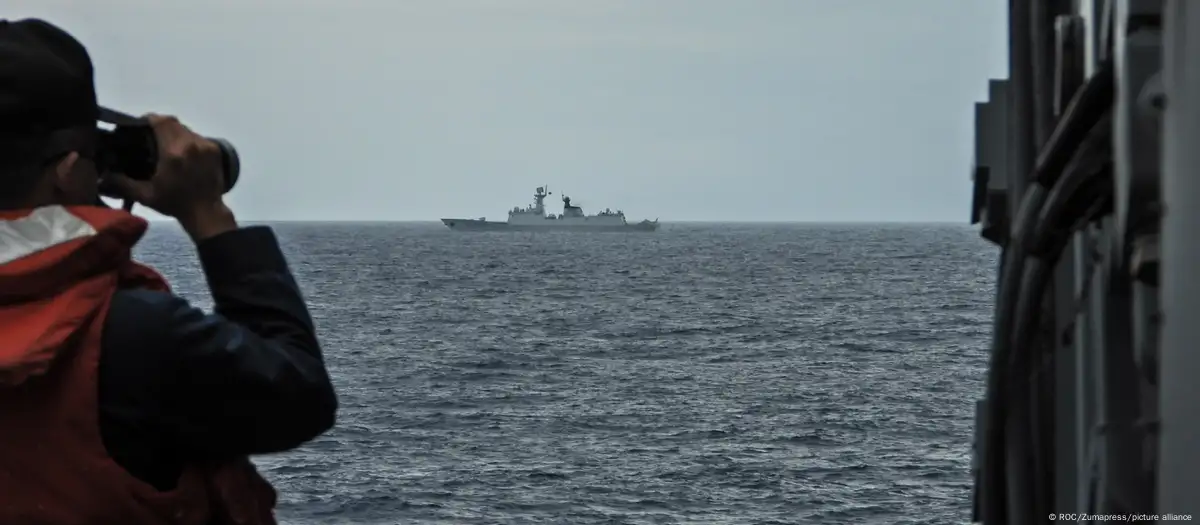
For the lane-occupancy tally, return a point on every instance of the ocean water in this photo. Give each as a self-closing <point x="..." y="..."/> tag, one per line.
<point x="740" y="374"/>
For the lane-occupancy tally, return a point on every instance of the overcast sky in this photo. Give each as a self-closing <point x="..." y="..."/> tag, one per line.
<point x="721" y="110"/>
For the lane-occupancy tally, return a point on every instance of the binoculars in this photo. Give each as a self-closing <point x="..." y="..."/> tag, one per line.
<point x="131" y="148"/>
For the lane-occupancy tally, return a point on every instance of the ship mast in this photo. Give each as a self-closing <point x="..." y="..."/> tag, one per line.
<point x="539" y="196"/>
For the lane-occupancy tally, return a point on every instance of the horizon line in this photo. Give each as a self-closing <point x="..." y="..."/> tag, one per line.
<point x="693" y="222"/>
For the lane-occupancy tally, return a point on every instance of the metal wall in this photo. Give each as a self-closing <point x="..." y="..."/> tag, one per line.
<point x="1083" y="158"/>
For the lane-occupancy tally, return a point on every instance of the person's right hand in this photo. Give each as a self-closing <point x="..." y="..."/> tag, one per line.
<point x="188" y="182"/>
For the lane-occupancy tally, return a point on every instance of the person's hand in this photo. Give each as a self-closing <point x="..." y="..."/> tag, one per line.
<point x="188" y="182"/>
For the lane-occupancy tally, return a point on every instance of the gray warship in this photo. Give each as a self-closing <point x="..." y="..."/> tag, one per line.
<point x="572" y="218"/>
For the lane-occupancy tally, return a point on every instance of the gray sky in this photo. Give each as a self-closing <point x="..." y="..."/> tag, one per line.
<point x="746" y="110"/>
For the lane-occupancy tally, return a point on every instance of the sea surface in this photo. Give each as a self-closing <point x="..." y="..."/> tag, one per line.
<point x="718" y="374"/>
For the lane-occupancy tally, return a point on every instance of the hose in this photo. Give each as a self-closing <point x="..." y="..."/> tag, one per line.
<point x="1019" y="295"/>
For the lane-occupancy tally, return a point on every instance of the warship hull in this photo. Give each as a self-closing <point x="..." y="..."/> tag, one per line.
<point x="476" y="225"/>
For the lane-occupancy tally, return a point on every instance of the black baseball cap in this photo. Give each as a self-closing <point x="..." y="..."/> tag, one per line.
<point x="47" y="82"/>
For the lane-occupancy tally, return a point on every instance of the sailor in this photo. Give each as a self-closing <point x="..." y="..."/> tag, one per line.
<point x="120" y="403"/>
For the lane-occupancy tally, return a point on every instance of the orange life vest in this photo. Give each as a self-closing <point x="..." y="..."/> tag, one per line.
<point x="59" y="269"/>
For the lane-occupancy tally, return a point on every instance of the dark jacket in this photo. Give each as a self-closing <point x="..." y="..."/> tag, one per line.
<point x="177" y="384"/>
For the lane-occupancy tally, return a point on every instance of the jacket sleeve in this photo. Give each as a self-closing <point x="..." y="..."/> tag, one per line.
<point x="248" y="378"/>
